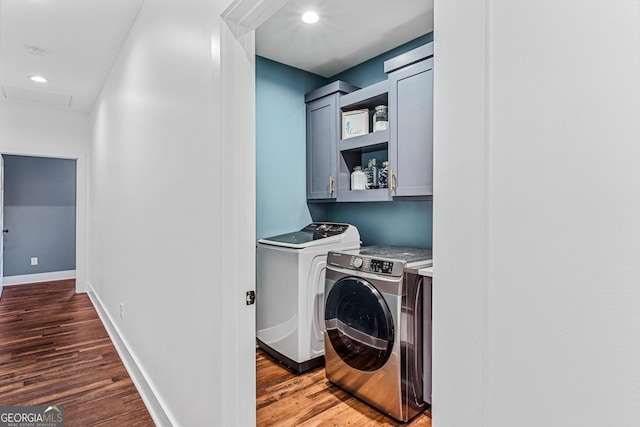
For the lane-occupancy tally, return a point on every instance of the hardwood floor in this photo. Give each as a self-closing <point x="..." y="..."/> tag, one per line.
<point x="54" y="350"/>
<point x="286" y="399"/>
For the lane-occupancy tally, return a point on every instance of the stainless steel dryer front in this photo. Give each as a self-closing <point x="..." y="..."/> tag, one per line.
<point x="374" y="326"/>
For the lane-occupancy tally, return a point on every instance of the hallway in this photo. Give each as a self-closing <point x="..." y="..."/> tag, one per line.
<point x="54" y="350"/>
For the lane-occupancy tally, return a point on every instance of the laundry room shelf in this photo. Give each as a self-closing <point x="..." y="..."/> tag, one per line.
<point x="374" y="141"/>
<point x="368" y="97"/>
<point x="373" y="195"/>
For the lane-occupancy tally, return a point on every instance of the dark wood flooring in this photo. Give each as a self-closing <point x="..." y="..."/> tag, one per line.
<point x="286" y="399"/>
<point x="54" y="350"/>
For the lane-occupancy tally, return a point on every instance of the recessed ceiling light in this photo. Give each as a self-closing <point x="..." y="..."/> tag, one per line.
<point x="38" y="79"/>
<point x="310" y="17"/>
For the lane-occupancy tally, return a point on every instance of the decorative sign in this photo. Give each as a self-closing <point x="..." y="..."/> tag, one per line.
<point x="355" y="123"/>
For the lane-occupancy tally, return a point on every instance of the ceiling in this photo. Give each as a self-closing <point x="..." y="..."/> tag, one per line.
<point x="73" y="43"/>
<point x="349" y="32"/>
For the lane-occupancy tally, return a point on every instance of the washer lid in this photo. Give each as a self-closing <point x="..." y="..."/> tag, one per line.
<point x="315" y="234"/>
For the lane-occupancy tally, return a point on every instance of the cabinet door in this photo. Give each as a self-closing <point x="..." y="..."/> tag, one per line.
<point x="411" y="129"/>
<point x="322" y="140"/>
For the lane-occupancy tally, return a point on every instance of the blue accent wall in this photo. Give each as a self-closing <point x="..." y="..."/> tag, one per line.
<point x="40" y="214"/>
<point x="281" y="160"/>
<point x="401" y="223"/>
<point x="281" y="194"/>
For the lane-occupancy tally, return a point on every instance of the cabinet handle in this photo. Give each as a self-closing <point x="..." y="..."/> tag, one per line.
<point x="330" y="185"/>
<point x="390" y="179"/>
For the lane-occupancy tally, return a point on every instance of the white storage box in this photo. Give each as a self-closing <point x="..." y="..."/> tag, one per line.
<point x="355" y="123"/>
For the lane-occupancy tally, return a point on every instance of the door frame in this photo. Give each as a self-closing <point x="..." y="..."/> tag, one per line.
<point x="237" y="78"/>
<point x="81" y="200"/>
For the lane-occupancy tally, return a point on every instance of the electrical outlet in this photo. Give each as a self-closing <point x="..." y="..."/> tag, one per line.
<point x="122" y="310"/>
<point x="34" y="260"/>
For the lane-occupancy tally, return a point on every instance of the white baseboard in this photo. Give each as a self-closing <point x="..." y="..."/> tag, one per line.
<point x="156" y="408"/>
<point x="39" y="277"/>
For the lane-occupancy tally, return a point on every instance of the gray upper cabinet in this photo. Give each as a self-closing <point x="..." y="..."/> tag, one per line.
<point x="407" y="145"/>
<point x="323" y="129"/>
<point x="411" y="123"/>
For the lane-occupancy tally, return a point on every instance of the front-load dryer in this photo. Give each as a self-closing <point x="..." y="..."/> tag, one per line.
<point x="375" y="308"/>
<point x="290" y="277"/>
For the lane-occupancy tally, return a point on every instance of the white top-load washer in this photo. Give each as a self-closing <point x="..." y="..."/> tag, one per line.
<point x="290" y="276"/>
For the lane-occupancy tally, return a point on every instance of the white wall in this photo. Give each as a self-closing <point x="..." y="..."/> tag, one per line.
<point x="33" y="130"/>
<point x="171" y="221"/>
<point x="536" y="296"/>
<point x="42" y="131"/>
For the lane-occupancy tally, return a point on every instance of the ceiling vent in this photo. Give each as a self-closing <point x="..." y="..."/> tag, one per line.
<point x="31" y="96"/>
<point x="36" y="51"/>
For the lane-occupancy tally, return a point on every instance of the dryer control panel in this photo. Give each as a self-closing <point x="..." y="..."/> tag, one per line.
<point x="387" y="267"/>
<point x="381" y="266"/>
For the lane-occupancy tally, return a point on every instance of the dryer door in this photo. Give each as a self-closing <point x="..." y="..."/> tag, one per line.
<point x="359" y="324"/>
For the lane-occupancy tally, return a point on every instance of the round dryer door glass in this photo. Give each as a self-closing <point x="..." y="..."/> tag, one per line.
<point x="359" y="324"/>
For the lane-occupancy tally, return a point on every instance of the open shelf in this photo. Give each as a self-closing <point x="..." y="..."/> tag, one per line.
<point x="373" y="195"/>
<point x="373" y="141"/>
<point x="368" y="97"/>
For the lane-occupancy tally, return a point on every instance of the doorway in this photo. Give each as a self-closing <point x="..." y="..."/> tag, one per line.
<point x="39" y="219"/>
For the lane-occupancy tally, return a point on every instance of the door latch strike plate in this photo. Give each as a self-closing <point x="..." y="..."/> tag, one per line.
<point x="251" y="297"/>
